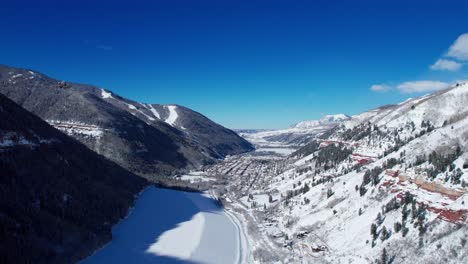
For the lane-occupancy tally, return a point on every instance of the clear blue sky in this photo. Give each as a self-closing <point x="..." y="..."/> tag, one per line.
<point x="245" y="64"/>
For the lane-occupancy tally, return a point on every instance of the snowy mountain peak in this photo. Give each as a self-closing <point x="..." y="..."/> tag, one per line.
<point x="334" y="118"/>
<point x="326" y="120"/>
<point x="440" y="107"/>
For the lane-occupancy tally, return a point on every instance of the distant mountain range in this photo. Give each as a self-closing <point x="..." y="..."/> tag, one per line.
<point x="328" y="120"/>
<point x="298" y="134"/>
<point x="400" y="123"/>
<point x="148" y="139"/>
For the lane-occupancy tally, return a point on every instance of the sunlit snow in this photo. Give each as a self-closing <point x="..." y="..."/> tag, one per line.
<point x="168" y="226"/>
<point x="171" y="119"/>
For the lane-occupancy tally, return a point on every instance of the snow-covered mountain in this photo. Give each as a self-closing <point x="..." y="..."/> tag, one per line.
<point x="444" y="106"/>
<point x="298" y="134"/>
<point x="148" y="139"/>
<point x="326" y="120"/>
<point x="59" y="199"/>
<point x="386" y="186"/>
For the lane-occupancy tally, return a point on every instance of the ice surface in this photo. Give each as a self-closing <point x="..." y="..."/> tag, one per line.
<point x="169" y="226"/>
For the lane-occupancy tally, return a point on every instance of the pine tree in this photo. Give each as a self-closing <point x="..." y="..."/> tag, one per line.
<point x="362" y="190"/>
<point x="384" y="235"/>
<point x="373" y="231"/>
<point x="379" y="218"/>
<point x="421" y="218"/>
<point x="397" y="226"/>
<point x="384" y="257"/>
<point x="404" y="214"/>
<point x="414" y="212"/>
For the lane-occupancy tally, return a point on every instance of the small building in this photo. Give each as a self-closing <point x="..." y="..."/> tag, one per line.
<point x="392" y="173"/>
<point x="363" y="161"/>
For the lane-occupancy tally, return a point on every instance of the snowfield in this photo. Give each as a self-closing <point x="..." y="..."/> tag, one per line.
<point x="171" y="244"/>
<point x="106" y="95"/>
<point x="153" y="111"/>
<point x="279" y="151"/>
<point x="168" y="226"/>
<point x="171" y="119"/>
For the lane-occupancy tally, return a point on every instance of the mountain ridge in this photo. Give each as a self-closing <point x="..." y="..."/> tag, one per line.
<point x="123" y="130"/>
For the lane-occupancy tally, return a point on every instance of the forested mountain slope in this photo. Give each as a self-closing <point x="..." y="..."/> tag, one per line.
<point x="58" y="199"/>
<point x="150" y="140"/>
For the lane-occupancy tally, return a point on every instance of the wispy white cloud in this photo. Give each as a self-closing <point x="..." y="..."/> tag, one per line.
<point x="421" y="86"/>
<point x="456" y="54"/>
<point x="446" y="65"/>
<point x="453" y="60"/>
<point x="380" y="88"/>
<point x="459" y="48"/>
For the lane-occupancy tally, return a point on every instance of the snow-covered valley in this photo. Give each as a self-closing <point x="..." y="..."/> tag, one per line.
<point x="385" y="186"/>
<point x="357" y="192"/>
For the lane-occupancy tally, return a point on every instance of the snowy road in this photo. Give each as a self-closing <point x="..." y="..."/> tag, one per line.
<point x="169" y="226"/>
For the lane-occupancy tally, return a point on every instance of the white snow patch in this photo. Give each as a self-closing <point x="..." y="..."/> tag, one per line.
<point x="77" y="128"/>
<point x="6" y="142"/>
<point x="13" y="138"/>
<point x="280" y="151"/>
<point x="196" y="176"/>
<point x="105" y="94"/>
<point x="16" y="75"/>
<point x="154" y="111"/>
<point x="326" y="120"/>
<point x="198" y="231"/>
<point x="176" y="243"/>
<point x="171" y="119"/>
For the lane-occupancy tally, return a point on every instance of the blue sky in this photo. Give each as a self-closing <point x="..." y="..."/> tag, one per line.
<point x="245" y="64"/>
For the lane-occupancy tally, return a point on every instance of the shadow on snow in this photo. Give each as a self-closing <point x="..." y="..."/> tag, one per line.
<point x="156" y="211"/>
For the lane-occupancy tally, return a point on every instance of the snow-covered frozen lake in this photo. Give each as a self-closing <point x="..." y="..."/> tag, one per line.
<point x="168" y="226"/>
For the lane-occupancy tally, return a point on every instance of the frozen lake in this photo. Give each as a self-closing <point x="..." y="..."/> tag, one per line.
<point x="168" y="226"/>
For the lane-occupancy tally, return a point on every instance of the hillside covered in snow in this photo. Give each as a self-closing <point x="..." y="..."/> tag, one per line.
<point x="385" y="186"/>
<point x="149" y="139"/>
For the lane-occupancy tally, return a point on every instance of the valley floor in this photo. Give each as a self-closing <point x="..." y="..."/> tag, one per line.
<point x="263" y="221"/>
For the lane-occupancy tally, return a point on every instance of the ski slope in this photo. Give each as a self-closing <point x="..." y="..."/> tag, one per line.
<point x="169" y="226"/>
<point x="171" y="119"/>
